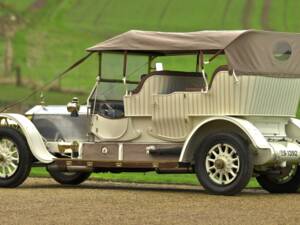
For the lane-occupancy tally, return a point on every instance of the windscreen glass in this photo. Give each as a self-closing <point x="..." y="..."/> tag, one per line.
<point x="188" y="63"/>
<point x="112" y="68"/>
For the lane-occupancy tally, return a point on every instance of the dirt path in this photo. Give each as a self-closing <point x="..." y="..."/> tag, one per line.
<point x="41" y="201"/>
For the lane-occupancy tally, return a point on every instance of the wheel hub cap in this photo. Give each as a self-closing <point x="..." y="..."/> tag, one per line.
<point x="9" y="158"/>
<point x="222" y="164"/>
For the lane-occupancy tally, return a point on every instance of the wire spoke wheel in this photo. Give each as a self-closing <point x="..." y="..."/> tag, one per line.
<point x="15" y="157"/>
<point x="286" y="175"/>
<point x="222" y="164"/>
<point x="9" y="158"/>
<point x="287" y="181"/>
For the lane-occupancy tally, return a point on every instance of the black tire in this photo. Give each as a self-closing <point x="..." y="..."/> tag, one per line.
<point x="241" y="151"/>
<point x="271" y="183"/>
<point x="69" y="178"/>
<point x="25" y="157"/>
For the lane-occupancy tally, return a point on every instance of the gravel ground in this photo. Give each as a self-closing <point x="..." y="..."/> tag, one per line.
<point x="41" y="201"/>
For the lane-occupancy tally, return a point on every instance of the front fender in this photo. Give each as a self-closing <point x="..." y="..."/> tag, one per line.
<point x="255" y="136"/>
<point x="32" y="135"/>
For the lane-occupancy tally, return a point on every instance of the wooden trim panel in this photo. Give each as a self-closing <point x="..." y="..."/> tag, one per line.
<point x="64" y="163"/>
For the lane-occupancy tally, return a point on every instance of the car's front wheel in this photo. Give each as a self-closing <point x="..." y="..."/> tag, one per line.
<point x="15" y="158"/>
<point x="223" y="164"/>
<point x="287" y="181"/>
<point x="69" y="178"/>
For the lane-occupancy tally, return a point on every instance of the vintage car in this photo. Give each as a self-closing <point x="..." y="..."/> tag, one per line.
<point x="225" y="126"/>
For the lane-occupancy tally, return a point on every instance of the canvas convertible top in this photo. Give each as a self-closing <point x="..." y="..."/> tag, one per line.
<point x="169" y="42"/>
<point x="247" y="51"/>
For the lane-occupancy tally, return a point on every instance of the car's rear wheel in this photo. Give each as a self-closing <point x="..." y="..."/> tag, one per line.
<point x="223" y="164"/>
<point x="69" y="178"/>
<point x="15" y="158"/>
<point x="288" y="181"/>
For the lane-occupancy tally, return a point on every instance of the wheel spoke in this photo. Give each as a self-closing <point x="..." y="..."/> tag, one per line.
<point x="211" y="160"/>
<point x="212" y="167"/>
<point x="13" y="151"/>
<point x="220" y="148"/>
<point x="14" y="158"/>
<point x="232" y="152"/>
<point x="235" y="166"/>
<point x="215" y="154"/>
<point x="233" y="174"/>
<point x="14" y="166"/>
<point x="214" y="174"/>
<point x="226" y="149"/>
<point x="226" y="177"/>
<point x="235" y="160"/>
<point x="221" y="177"/>
<point x="9" y="169"/>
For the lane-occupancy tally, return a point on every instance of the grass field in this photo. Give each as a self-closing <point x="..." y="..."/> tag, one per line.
<point x="19" y="92"/>
<point x="149" y="177"/>
<point x="57" y="32"/>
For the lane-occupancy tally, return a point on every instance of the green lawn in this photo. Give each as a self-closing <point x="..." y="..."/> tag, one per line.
<point x="58" y="32"/>
<point x="149" y="177"/>
<point x="7" y="96"/>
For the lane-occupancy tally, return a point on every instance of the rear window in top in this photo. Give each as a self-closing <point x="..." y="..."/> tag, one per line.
<point x="282" y="51"/>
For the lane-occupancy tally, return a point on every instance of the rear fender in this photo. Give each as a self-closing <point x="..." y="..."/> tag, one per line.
<point x="243" y="127"/>
<point x="32" y="135"/>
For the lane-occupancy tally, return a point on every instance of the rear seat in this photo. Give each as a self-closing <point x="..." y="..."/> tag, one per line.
<point x="219" y="69"/>
<point x="174" y="81"/>
<point x="139" y="102"/>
